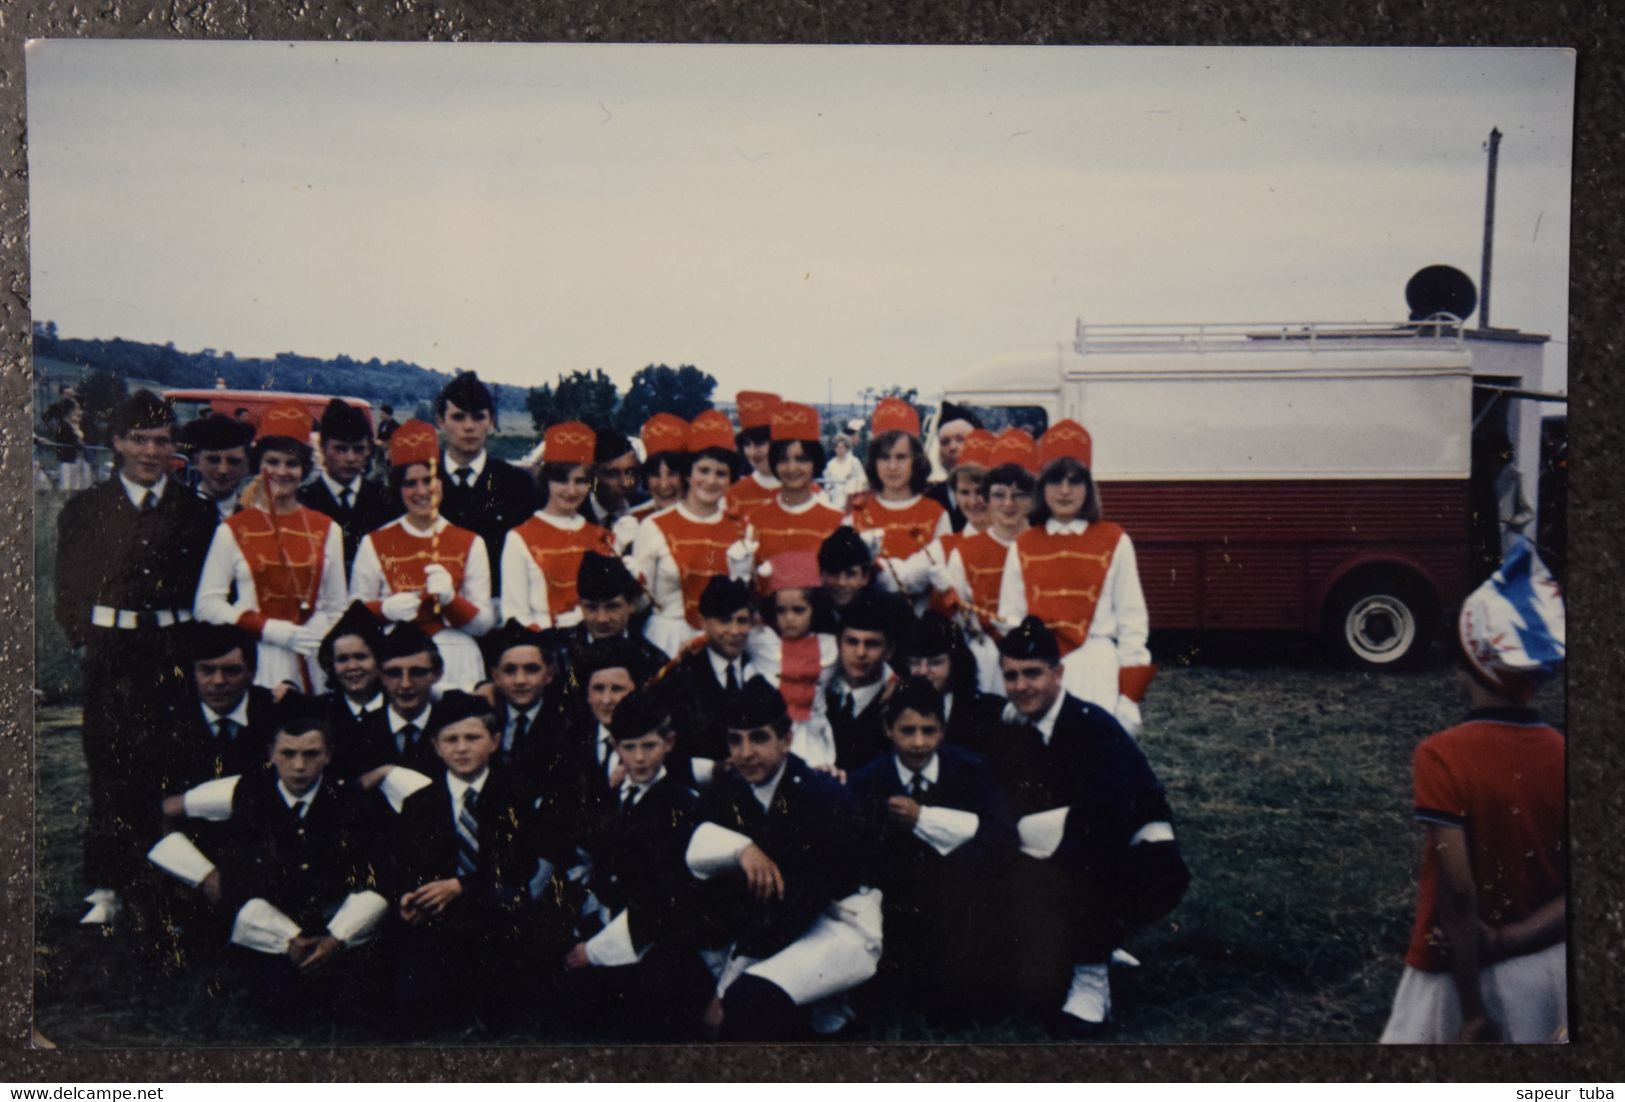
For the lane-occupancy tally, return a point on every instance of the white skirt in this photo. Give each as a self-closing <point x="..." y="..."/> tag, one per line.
<point x="1090" y="672"/>
<point x="465" y="665"/>
<point x="278" y="664"/>
<point x="1527" y="998"/>
<point x="670" y="633"/>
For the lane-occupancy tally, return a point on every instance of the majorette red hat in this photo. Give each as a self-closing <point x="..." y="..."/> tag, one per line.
<point x="1016" y="446"/>
<point x="792" y="570"/>
<point x="664" y="432"/>
<point x="756" y="408"/>
<point x="894" y="414"/>
<point x="414" y="442"/>
<point x="1065" y="440"/>
<point x="978" y="450"/>
<point x="796" y="421"/>
<point x="711" y="429"/>
<point x="569" y="442"/>
<point x="285" y="419"/>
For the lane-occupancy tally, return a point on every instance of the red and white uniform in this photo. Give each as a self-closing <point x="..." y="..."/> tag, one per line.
<point x="1498" y="777"/>
<point x="540" y="560"/>
<point x="288" y="570"/>
<point x="775" y="527"/>
<point x="754" y="490"/>
<point x="1082" y="580"/>
<point x="392" y="560"/>
<point x="675" y="554"/>
<point x="905" y="527"/>
<point x="975" y="566"/>
<point x="801" y="669"/>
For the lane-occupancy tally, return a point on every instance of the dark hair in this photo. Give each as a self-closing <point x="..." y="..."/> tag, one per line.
<point x="731" y="459"/>
<point x="1060" y="470"/>
<point x="920" y="469"/>
<point x="841" y="550"/>
<point x="287" y="445"/>
<point x="723" y="597"/>
<point x="814" y="450"/>
<point x="296" y="727"/>
<point x="558" y="472"/>
<point x="343" y="422"/>
<point x="456" y="706"/>
<point x="915" y="693"/>
<point x="1008" y="474"/>
<point x="609" y="445"/>
<point x="141" y="410"/>
<point x="761" y="434"/>
<point x="360" y="624"/>
<point x="214" y="640"/>
<point x="470" y="395"/>
<point x="817" y="599"/>
<point x="407" y="641"/>
<point x="397" y="474"/>
<point x="638" y="713"/>
<point x="676" y="461"/>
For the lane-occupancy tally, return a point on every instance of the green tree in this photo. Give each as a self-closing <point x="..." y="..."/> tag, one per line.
<point x="684" y="391"/>
<point x="578" y="396"/>
<point x="99" y="394"/>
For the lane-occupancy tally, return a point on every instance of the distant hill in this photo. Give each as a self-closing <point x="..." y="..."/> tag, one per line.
<point x="401" y="384"/>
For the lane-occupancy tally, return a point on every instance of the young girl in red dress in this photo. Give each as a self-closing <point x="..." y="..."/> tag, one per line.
<point x="797" y="659"/>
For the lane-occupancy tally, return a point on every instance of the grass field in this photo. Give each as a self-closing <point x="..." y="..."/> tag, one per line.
<point x="1290" y="785"/>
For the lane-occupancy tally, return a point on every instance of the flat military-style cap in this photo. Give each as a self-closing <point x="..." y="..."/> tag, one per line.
<point x="952" y="412"/>
<point x="841" y="550"/>
<point x="141" y="410"/>
<point x="514" y="634"/>
<point x="1031" y="641"/>
<point x="640" y="712"/>
<point x="603" y="577"/>
<point x="933" y="634"/>
<point x="722" y="597"/>
<point x="613" y="654"/>
<point x="454" y="706"/>
<point x="403" y="641"/>
<point x="755" y="704"/>
<point x="882" y="612"/>
<point x="217" y="433"/>
<point x="342" y="421"/>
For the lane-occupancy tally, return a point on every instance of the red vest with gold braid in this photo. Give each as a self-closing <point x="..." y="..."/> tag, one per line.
<point x="907" y="530"/>
<point x="746" y="495"/>
<point x="983" y="558"/>
<point x="778" y="531"/>
<point x="800" y="664"/>
<point x="700" y="551"/>
<point x="404" y="556"/>
<point x="1064" y="576"/>
<point x="285" y="556"/>
<point x="558" y="554"/>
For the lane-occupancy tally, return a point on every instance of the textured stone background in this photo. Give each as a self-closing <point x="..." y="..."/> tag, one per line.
<point x="1596" y="668"/>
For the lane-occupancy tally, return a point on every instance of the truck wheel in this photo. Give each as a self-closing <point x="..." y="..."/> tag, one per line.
<point x="1378" y="621"/>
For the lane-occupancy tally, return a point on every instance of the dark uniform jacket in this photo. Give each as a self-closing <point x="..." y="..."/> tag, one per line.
<point x="375" y="744"/>
<point x="965" y="782"/>
<point x="813" y="830"/>
<point x="938" y="492"/>
<point x="425" y="846"/>
<point x="374" y="506"/>
<point x="974" y="714"/>
<point x="501" y="499"/>
<point x="195" y="753"/>
<point x="861" y="738"/>
<point x="637" y="859"/>
<point x="698" y="699"/>
<point x="305" y="867"/>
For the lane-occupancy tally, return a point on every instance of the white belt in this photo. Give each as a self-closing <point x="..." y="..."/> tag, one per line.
<point x="104" y="617"/>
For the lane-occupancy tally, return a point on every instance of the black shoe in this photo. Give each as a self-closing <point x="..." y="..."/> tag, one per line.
<point x="1070" y="1027"/>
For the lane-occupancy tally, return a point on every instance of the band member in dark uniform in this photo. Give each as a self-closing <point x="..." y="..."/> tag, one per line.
<point x="481" y="493"/>
<point x="341" y="490"/>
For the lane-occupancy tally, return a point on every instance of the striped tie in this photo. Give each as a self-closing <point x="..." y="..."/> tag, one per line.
<point x="468" y="835"/>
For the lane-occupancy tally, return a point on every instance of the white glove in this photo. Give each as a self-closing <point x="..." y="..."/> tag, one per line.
<point x="742" y="559"/>
<point x="873" y="538"/>
<point x="279" y="633"/>
<point x="437" y="583"/>
<point x="307" y="640"/>
<point x="1128" y="714"/>
<point x="402" y="606"/>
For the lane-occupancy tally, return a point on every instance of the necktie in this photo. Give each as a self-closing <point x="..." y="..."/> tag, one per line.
<point x="733" y="679"/>
<point x="468" y="835"/>
<point x="917" y="786"/>
<point x="300" y="807"/>
<point x="629" y="796"/>
<point x="407" y="737"/>
<point x="227" y="730"/>
<point x="606" y="754"/>
<point x="149" y="502"/>
<point x="520" y="728"/>
<point x="461" y="474"/>
<point x="344" y="498"/>
<point x="849" y="707"/>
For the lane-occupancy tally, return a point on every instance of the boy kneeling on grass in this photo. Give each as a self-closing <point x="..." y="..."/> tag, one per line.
<point x="635" y="970"/>
<point x="294" y="860"/>
<point x="1488" y="954"/>
<point x="781" y="850"/>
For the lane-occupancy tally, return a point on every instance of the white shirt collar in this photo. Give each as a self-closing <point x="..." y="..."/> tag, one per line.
<point x="359" y="710"/>
<point x="816" y="499"/>
<point x="719" y="666"/>
<point x="440" y="525"/>
<point x="476" y="468"/>
<point x="227" y="505"/>
<point x="1065" y="527"/>
<point x="606" y="512"/>
<point x="863" y="695"/>
<point x="397" y="721"/>
<point x="683" y="511"/>
<point x="290" y="799"/>
<point x="605" y="741"/>
<point x="135" y="491"/>
<point x="458" y="786"/>
<point x="238" y="715"/>
<point x="908" y="503"/>
<point x="628" y="787"/>
<point x="764" y="792"/>
<point x="572" y="523"/>
<point x="947" y="711"/>
<point x="765" y="481"/>
<point x="906" y="775"/>
<point x="1045" y="723"/>
<point x="335" y="487"/>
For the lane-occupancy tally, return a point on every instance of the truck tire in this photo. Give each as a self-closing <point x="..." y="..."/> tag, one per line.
<point x="1378" y="620"/>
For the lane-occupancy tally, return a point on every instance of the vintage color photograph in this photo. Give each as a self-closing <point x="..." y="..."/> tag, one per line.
<point x="683" y="544"/>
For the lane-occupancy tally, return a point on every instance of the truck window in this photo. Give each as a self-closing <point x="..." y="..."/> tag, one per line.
<point x="998" y="418"/>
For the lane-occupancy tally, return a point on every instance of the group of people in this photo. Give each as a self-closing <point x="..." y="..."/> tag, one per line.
<point x="658" y="746"/>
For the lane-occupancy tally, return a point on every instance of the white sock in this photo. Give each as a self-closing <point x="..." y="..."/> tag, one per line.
<point x="1091" y="995"/>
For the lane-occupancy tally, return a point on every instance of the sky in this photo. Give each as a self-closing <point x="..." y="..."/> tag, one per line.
<point x="813" y="220"/>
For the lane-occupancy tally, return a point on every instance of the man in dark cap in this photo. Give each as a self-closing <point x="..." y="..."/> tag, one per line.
<point x="129" y="554"/>
<point x="341" y="491"/>
<point x="219" y="452"/>
<point x="615" y="480"/>
<point x="953" y="425"/>
<point x="608" y="596"/>
<point x="702" y="678"/>
<point x="777" y="845"/>
<point x="482" y="493"/>
<point x="1098" y="854"/>
<point x="863" y="677"/>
